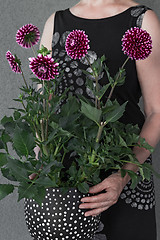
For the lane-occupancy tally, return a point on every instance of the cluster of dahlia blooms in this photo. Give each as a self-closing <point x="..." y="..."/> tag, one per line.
<point x="78" y="127"/>
<point x="136" y="43"/>
<point x="44" y="67"/>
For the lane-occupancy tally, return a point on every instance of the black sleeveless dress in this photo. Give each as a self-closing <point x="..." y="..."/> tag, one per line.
<point x="133" y="216"/>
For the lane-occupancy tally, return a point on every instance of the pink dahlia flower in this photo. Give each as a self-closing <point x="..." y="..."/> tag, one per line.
<point x="13" y="62"/>
<point x="27" y="36"/>
<point x="137" y="43"/>
<point x="44" y="67"/>
<point x="77" y="44"/>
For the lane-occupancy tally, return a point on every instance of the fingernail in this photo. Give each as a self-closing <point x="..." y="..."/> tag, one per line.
<point x="81" y="206"/>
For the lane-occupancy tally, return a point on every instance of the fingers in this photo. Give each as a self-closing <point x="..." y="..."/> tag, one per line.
<point x="95" y="212"/>
<point x="94" y="205"/>
<point x="102" y="197"/>
<point x="97" y="188"/>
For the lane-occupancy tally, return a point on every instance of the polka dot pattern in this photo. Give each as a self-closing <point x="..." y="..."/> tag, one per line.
<point x="143" y="196"/>
<point x="59" y="217"/>
<point x="72" y="68"/>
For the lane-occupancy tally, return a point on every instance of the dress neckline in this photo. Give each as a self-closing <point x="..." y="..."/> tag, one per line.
<point x="100" y="19"/>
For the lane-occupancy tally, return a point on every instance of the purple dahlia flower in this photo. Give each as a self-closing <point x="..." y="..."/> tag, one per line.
<point x="13" y="62"/>
<point x="44" y="67"/>
<point x="77" y="44"/>
<point x="137" y="43"/>
<point x="27" y="36"/>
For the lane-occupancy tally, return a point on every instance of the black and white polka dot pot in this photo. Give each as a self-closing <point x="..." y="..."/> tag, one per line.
<point x="60" y="217"/>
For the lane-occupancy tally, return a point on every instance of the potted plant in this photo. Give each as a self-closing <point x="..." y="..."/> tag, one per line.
<point x="87" y="131"/>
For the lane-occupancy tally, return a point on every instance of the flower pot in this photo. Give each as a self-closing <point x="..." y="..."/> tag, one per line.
<point x="60" y="217"/>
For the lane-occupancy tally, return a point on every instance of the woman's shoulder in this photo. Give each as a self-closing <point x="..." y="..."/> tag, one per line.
<point x="151" y="21"/>
<point x="50" y="19"/>
<point x="46" y="38"/>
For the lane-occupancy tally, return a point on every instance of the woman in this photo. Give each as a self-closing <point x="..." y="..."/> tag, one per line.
<point x="126" y="214"/>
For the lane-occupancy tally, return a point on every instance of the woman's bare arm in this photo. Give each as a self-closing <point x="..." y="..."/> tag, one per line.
<point x="148" y="71"/>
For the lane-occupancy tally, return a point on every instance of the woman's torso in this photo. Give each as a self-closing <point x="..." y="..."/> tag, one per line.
<point x="105" y="36"/>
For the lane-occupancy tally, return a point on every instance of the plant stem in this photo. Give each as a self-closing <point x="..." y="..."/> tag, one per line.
<point x="23" y="105"/>
<point x="47" y="113"/>
<point x="42" y="129"/>
<point x="32" y="49"/>
<point x="100" y="129"/>
<point x="42" y="124"/>
<point x="24" y="78"/>
<point x="44" y="105"/>
<point x="111" y="92"/>
<point x="90" y="64"/>
<point x="43" y="137"/>
<point x="125" y="62"/>
<point x="56" y="150"/>
<point x="37" y="132"/>
<point x="97" y="101"/>
<point x="115" y="83"/>
<point x="99" y="132"/>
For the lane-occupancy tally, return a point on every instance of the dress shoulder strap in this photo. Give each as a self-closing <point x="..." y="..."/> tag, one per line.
<point x="137" y="14"/>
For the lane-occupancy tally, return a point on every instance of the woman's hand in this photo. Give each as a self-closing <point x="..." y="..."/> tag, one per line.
<point x="113" y="185"/>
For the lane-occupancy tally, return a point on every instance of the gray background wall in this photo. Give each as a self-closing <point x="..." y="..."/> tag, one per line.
<point x="14" y="14"/>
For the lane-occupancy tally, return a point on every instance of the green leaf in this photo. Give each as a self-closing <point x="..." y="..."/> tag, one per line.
<point x="149" y="167"/>
<point x="116" y="114"/>
<point x="97" y="66"/>
<point x="84" y="99"/>
<point x="83" y="187"/>
<point x="23" y="142"/>
<point x="40" y="196"/>
<point x="86" y="72"/>
<point x="123" y="172"/>
<point x="6" y="173"/>
<point x="64" y="190"/>
<point x="110" y="106"/>
<point x="142" y="173"/>
<point x="44" y="51"/>
<point x="103" y="58"/>
<point x="17" y="115"/>
<point x="122" y="75"/>
<point x="147" y="173"/>
<point x="72" y="170"/>
<point x="2" y="145"/>
<point x="70" y="107"/>
<point x="146" y="145"/>
<point x="5" y="137"/>
<point x="5" y="189"/>
<point x="134" y="177"/>
<point x="17" y="60"/>
<point x="122" y="142"/>
<point x="102" y="91"/>
<point x="91" y="112"/>
<point x="6" y="119"/>
<point x="19" y="109"/>
<point x="18" y="170"/>
<point x="56" y="164"/>
<point x="3" y="159"/>
<point x="89" y="84"/>
<point x="62" y="132"/>
<point x="111" y="80"/>
<point x="26" y="190"/>
<point x="46" y="181"/>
